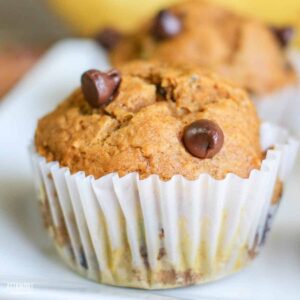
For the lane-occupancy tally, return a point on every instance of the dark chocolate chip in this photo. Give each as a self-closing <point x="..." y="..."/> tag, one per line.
<point x="283" y="34"/>
<point x="268" y="223"/>
<point x="166" y="25"/>
<point x="71" y="252"/>
<point x="161" y="253"/>
<point x="108" y="38"/>
<point x="161" y="91"/>
<point x="99" y="87"/>
<point x="144" y="255"/>
<point x="203" y="138"/>
<point x="83" y="261"/>
<point x="161" y="234"/>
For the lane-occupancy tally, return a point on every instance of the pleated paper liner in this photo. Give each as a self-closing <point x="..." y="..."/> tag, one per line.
<point x="157" y="234"/>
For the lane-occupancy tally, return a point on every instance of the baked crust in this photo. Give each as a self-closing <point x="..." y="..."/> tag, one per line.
<point x="141" y="129"/>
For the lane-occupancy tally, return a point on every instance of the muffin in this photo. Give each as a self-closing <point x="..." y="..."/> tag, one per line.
<point x="200" y="33"/>
<point x="157" y="176"/>
<point x="203" y="34"/>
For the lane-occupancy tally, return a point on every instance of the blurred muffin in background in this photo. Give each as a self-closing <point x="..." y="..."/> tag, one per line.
<point x="199" y="33"/>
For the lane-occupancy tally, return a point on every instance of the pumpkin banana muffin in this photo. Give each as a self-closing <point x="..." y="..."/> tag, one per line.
<point x="154" y="176"/>
<point x="200" y="33"/>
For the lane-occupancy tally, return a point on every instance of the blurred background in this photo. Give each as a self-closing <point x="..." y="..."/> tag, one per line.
<point x="29" y="27"/>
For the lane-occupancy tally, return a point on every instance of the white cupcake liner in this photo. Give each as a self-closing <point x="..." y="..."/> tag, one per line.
<point x="159" y="234"/>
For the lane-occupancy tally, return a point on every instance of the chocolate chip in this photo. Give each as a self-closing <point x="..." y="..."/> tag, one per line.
<point x="203" y="138"/>
<point x="99" y="87"/>
<point x="108" y="38"/>
<point x="144" y="255"/>
<point x="283" y="34"/>
<point x="166" y="25"/>
<point x="161" y="92"/>
<point x="161" y="253"/>
<point x="161" y="234"/>
<point x="82" y="259"/>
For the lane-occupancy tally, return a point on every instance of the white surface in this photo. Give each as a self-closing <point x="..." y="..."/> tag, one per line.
<point x="31" y="269"/>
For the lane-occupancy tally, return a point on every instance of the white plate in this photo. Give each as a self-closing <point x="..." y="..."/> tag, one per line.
<point x="29" y="266"/>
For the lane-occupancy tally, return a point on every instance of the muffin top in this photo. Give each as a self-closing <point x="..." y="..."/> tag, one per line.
<point x="153" y="119"/>
<point x="203" y="34"/>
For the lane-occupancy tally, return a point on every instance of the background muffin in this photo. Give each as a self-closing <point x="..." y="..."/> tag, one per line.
<point x="203" y="34"/>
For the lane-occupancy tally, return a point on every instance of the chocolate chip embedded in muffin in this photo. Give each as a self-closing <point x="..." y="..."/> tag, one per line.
<point x="284" y="35"/>
<point x="166" y="25"/>
<point x="108" y="38"/>
<point x="203" y="138"/>
<point x="141" y="130"/>
<point x="99" y="87"/>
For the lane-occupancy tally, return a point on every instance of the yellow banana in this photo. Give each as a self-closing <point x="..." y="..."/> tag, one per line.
<point x="88" y="16"/>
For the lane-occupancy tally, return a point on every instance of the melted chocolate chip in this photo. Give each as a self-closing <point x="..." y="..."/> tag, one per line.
<point x="108" y="38"/>
<point x="166" y="25"/>
<point x="283" y="34"/>
<point x="203" y="138"/>
<point x="98" y="87"/>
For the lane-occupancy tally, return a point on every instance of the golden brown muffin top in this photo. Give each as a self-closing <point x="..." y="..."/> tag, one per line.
<point x="141" y="129"/>
<point x="242" y="49"/>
